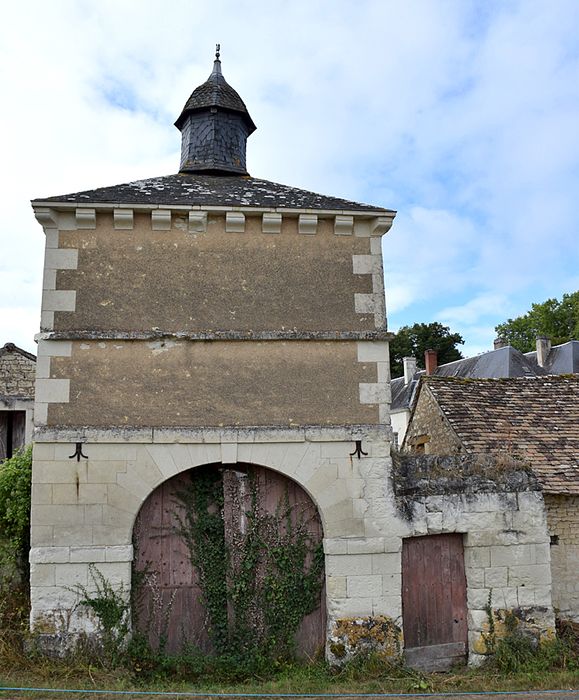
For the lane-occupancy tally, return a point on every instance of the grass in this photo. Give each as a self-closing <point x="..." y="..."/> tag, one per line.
<point x="372" y="675"/>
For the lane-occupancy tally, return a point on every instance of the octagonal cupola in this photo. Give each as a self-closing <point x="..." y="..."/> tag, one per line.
<point x="214" y="126"/>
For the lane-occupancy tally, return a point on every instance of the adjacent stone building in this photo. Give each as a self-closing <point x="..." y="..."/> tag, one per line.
<point x="534" y="420"/>
<point x="17" y="371"/>
<point x="211" y="322"/>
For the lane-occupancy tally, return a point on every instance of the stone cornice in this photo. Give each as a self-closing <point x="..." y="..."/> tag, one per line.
<point x="377" y="335"/>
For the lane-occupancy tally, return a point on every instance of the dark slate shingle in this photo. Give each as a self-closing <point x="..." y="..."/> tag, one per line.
<point x="211" y="190"/>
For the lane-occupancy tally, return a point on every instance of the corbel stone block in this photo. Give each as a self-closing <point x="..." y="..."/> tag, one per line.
<point x="271" y="222"/>
<point x="85" y="218"/>
<point x="161" y="219"/>
<point x="343" y="225"/>
<point x="123" y="218"/>
<point x="234" y="222"/>
<point x="381" y="225"/>
<point x="308" y="224"/>
<point x="197" y="221"/>
<point x="46" y="217"/>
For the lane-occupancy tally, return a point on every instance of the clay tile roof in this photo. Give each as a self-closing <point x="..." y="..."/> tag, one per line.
<point x="536" y="418"/>
<point x="211" y="190"/>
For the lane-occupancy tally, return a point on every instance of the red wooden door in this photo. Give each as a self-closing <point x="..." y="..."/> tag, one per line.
<point x="168" y="605"/>
<point x="434" y="608"/>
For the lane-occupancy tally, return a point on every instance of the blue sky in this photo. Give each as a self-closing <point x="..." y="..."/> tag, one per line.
<point x="463" y="116"/>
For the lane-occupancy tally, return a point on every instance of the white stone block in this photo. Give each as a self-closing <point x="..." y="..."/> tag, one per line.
<point x="271" y="222"/>
<point x="372" y="393"/>
<point x="531" y="575"/>
<point x="161" y="219"/>
<point x="308" y="224"/>
<point x="42" y="574"/>
<point x="47" y="320"/>
<point x="363" y="264"/>
<point x="365" y="545"/>
<point x="87" y="555"/>
<point x="391" y="584"/>
<point x="496" y="577"/>
<point x="234" y="222"/>
<point x="49" y="278"/>
<point x="85" y="218"/>
<point x="343" y="225"/>
<point x="229" y="453"/>
<point x="49" y="555"/>
<point x="335" y="546"/>
<point x="52" y="390"/>
<point x="336" y="586"/>
<point x="348" y="564"/>
<point x="364" y="586"/>
<point x="372" y="351"/>
<point x="119" y="553"/>
<point x="55" y="348"/>
<point x="43" y="367"/>
<point x="59" y="300"/>
<point x="477" y="557"/>
<point x="61" y="259"/>
<point x="515" y="555"/>
<point x="70" y="575"/>
<point x="389" y="606"/>
<point x="123" y="219"/>
<point x="364" y="303"/>
<point x="381" y="225"/>
<point x="387" y="563"/>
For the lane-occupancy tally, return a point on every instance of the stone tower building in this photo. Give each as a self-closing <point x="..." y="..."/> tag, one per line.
<point x="213" y="323"/>
<point x="209" y="317"/>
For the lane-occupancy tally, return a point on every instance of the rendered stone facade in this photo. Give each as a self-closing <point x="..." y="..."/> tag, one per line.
<point x="205" y="319"/>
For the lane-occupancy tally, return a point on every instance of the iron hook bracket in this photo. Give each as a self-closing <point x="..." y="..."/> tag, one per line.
<point x="358" y="452"/>
<point x="78" y="453"/>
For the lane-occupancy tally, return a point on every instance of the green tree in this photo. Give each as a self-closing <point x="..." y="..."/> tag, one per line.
<point x="558" y="320"/>
<point x="412" y="341"/>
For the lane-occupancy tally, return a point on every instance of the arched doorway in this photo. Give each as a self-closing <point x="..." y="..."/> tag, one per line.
<point x="228" y="558"/>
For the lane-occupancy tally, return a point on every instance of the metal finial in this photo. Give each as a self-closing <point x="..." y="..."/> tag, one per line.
<point x="217" y="50"/>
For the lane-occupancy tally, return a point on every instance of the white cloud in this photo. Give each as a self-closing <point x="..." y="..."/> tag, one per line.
<point x="461" y="115"/>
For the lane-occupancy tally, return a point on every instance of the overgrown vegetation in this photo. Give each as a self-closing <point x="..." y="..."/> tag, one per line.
<point x="258" y="581"/>
<point x="15" y="480"/>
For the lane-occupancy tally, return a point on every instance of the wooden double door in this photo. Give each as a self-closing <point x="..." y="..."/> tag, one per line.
<point x="434" y="604"/>
<point x="169" y="600"/>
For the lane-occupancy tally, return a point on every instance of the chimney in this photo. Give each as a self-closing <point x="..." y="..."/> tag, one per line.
<point x="543" y="350"/>
<point x="500" y="343"/>
<point x="409" y="369"/>
<point x="430" y="361"/>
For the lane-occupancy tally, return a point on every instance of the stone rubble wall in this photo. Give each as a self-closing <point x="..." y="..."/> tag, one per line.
<point x="563" y="524"/>
<point x="17" y="375"/>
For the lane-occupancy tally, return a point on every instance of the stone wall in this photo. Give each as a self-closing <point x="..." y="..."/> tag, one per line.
<point x="230" y="276"/>
<point x="180" y="383"/>
<point x="429" y="428"/>
<point x="16" y="373"/>
<point x="563" y="524"/>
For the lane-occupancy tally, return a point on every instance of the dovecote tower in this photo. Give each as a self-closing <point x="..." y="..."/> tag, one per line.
<point x="210" y="320"/>
<point x="214" y="126"/>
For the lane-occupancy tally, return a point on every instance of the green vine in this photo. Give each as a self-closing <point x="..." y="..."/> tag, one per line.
<point x="258" y="581"/>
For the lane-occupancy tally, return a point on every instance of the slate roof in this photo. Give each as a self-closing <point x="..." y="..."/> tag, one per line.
<point x="562" y="359"/>
<point x="536" y="418"/>
<point x="215" y="92"/>
<point x="211" y="190"/>
<point x="500" y="363"/>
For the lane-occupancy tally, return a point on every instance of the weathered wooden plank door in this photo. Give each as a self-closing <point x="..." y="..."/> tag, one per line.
<point x="168" y="606"/>
<point x="434" y="607"/>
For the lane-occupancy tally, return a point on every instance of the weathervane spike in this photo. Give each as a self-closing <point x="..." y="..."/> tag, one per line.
<point x="217" y="50"/>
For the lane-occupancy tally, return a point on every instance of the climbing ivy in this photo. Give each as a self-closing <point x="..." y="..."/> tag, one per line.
<point x="258" y="581"/>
